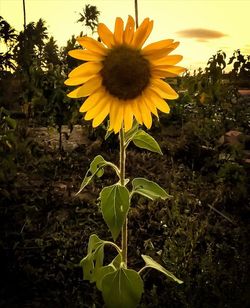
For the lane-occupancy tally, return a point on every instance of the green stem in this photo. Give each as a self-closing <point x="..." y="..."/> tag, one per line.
<point x="142" y="269"/>
<point x="122" y="180"/>
<point x="114" y="245"/>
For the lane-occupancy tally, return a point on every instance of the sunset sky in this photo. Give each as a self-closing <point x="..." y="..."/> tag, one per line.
<point x="202" y="26"/>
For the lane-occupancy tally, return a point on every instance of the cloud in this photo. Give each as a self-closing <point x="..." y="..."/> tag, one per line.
<point x="201" y="34"/>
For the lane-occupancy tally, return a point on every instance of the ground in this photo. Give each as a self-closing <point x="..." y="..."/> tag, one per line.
<point x="45" y="227"/>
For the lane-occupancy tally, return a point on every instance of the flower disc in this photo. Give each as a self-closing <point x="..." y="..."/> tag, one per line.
<point x="125" y="73"/>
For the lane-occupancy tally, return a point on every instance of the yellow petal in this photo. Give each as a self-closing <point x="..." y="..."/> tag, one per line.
<point x="136" y="111"/>
<point x="106" y="35"/>
<point x="171" y="69"/>
<point x="129" y="31"/>
<point x="75" y="81"/>
<point x="93" y="112"/>
<point x="128" y="115"/>
<point x="156" y="46"/>
<point x="92" y="100"/>
<point x="112" y="113"/>
<point x="118" y="33"/>
<point x="145" y="112"/>
<point x="85" y="55"/>
<point x="158" y="101"/>
<point x="142" y="33"/>
<point x="116" y="115"/>
<point x="168" y="60"/>
<point x="150" y="105"/>
<point x="102" y="115"/>
<point x="87" y="89"/>
<point x="157" y="53"/>
<point x="163" y="89"/>
<point x="92" y="45"/>
<point x="118" y="119"/>
<point x="86" y="69"/>
<point x="161" y="74"/>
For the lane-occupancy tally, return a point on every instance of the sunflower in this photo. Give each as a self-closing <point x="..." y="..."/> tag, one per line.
<point x="123" y="79"/>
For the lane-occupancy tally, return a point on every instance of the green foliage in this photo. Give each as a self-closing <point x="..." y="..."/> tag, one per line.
<point x="94" y="259"/>
<point x="144" y="141"/>
<point x="150" y="263"/>
<point x="122" y="288"/>
<point x="114" y="205"/>
<point x="148" y="189"/>
<point x="7" y="146"/>
<point x="96" y="168"/>
<point x="232" y="180"/>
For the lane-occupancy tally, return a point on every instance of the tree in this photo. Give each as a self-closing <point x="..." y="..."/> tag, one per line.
<point x="8" y="38"/>
<point x="241" y="67"/>
<point x="89" y="17"/>
<point x="51" y="52"/>
<point x="30" y="45"/>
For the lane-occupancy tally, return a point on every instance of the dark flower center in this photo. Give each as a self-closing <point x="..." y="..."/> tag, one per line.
<point x="125" y="73"/>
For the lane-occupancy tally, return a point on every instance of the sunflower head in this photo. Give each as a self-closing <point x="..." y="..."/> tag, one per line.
<point x="123" y="79"/>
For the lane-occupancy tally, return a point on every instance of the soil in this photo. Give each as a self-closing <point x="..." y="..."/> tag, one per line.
<point x="45" y="228"/>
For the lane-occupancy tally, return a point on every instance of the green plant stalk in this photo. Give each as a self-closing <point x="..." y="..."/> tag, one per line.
<point x="122" y="181"/>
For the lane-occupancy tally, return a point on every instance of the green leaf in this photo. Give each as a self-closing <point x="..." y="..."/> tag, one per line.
<point x="129" y="134"/>
<point x="149" y="189"/>
<point x="114" y="206"/>
<point x="94" y="259"/>
<point x="153" y="264"/>
<point x="96" y="168"/>
<point x="97" y="164"/>
<point x="122" y="288"/>
<point x="143" y="140"/>
<point x="116" y="263"/>
<point x="103" y="271"/>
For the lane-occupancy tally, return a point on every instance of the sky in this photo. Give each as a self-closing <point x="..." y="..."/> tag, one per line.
<point x="202" y="26"/>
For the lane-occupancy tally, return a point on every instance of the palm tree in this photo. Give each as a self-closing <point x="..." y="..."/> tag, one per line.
<point x="89" y="17"/>
<point x="8" y="37"/>
<point x="29" y="48"/>
<point x="50" y="52"/>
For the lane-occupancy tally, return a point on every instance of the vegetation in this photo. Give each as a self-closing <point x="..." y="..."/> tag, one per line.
<point x="201" y="234"/>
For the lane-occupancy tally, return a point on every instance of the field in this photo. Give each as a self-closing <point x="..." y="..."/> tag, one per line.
<point x="201" y="233"/>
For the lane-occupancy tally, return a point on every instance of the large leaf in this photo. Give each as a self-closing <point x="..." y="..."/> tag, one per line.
<point x="143" y="140"/>
<point x="122" y="288"/>
<point x="149" y="189"/>
<point x="114" y="206"/>
<point x="94" y="259"/>
<point x="153" y="264"/>
<point x="103" y="271"/>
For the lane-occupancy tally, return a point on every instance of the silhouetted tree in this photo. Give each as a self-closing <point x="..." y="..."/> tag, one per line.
<point x="68" y="62"/>
<point x="216" y="65"/>
<point x="8" y="38"/>
<point x="30" y="45"/>
<point x="51" y="52"/>
<point x="89" y="17"/>
<point x="241" y="66"/>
